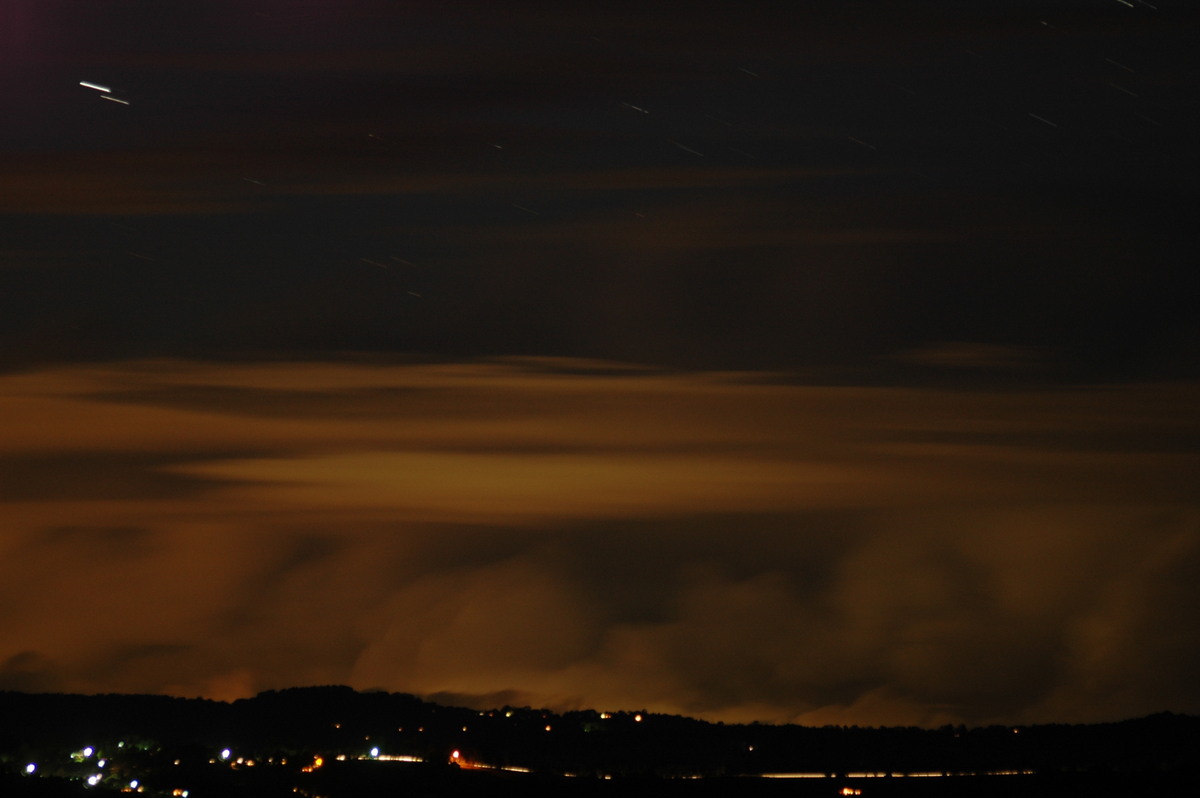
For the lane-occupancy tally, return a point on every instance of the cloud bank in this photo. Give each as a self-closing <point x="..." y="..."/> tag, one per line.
<point x="571" y="533"/>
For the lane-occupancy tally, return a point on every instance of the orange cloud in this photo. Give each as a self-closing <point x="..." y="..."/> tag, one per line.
<point x="595" y="534"/>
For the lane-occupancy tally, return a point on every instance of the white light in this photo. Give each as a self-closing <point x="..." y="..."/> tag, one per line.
<point x="94" y="780"/>
<point x="95" y="86"/>
<point x="133" y="784"/>
<point x="88" y="751"/>
<point x="102" y="762"/>
<point x="225" y="753"/>
<point x="374" y="752"/>
<point x="30" y="768"/>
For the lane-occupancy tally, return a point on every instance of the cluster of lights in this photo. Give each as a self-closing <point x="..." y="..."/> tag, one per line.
<point x="933" y="774"/>
<point x="87" y="752"/>
<point x="96" y="778"/>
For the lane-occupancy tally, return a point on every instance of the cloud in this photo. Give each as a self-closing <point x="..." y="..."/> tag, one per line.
<point x="572" y="533"/>
<point x="27" y="671"/>
<point x="977" y="356"/>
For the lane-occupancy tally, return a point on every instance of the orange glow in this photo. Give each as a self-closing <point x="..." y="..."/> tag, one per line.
<point x="172" y="426"/>
<point x="318" y="761"/>
<point x="456" y="758"/>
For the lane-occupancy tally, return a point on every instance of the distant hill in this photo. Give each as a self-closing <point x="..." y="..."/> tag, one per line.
<point x="346" y="737"/>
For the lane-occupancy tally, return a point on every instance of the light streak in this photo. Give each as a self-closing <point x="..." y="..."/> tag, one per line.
<point x="686" y="149"/>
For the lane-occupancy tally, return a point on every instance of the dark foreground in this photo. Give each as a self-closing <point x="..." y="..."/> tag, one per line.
<point x="333" y="742"/>
<point x="483" y="784"/>
<point x="418" y="782"/>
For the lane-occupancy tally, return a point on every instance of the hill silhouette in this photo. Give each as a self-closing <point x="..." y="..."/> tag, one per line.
<point x="334" y="741"/>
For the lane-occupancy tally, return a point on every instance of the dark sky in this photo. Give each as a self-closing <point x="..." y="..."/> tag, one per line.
<point x="805" y="361"/>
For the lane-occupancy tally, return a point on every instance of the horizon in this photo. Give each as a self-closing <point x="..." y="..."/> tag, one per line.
<point x="452" y="702"/>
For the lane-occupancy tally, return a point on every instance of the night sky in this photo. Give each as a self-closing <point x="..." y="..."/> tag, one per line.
<point x="822" y="361"/>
